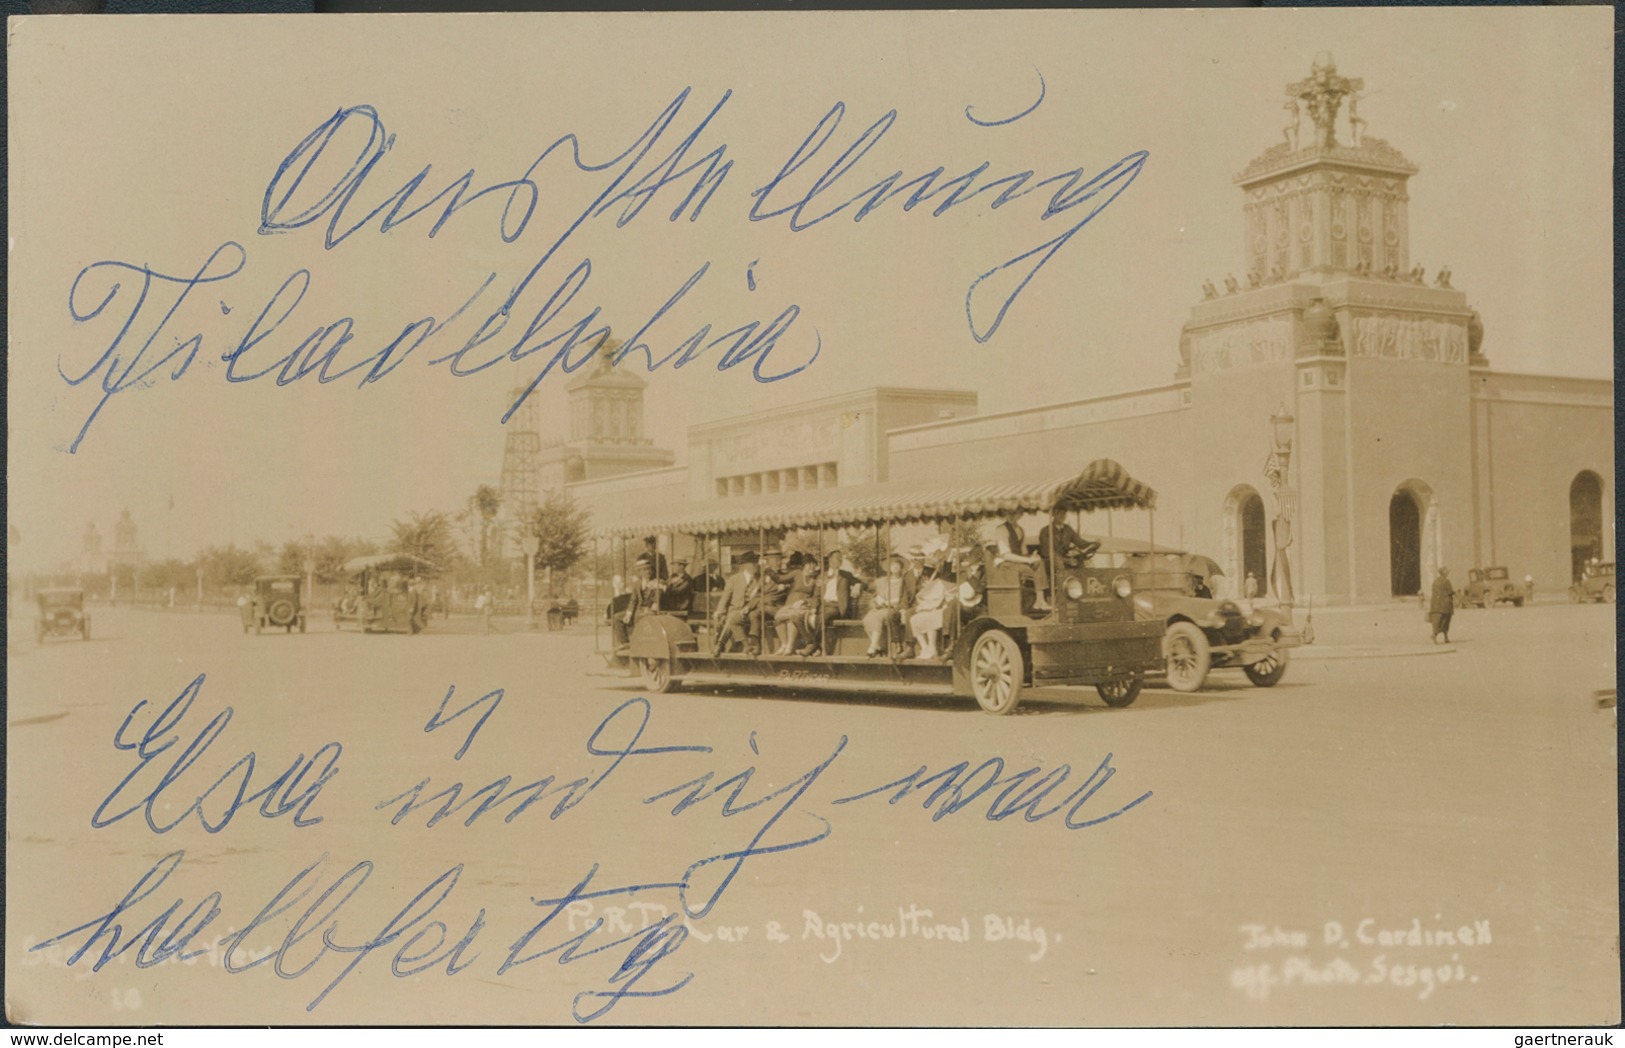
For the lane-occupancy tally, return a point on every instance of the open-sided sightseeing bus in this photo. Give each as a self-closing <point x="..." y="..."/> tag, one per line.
<point x="382" y="595"/>
<point x="1008" y="626"/>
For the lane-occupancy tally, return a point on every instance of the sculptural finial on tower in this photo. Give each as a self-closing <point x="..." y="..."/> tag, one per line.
<point x="1321" y="94"/>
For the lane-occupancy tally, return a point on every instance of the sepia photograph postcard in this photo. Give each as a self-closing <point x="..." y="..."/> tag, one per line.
<point x="1021" y="519"/>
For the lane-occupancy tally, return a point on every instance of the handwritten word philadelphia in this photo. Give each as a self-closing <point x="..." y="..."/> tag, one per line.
<point x="145" y="320"/>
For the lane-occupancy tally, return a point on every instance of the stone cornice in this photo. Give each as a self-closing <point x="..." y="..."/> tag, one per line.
<point x="1372" y="154"/>
<point x="1339" y="291"/>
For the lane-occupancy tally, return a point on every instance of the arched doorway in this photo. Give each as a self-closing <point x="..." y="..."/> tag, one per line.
<point x="1413" y="538"/>
<point x="1405" y="544"/>
<point x="1585" y="520"/>
<point x="1246" y="541"/>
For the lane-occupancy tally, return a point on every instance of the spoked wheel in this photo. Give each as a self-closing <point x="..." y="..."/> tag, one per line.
<point x="996" y="672"/>
<point x="1189" y="656"/>
<point x="1608" y="594"/>
<point x="1122" y="691"/>
<point x="657" y="676"/>
<point x="1268" y="671"/>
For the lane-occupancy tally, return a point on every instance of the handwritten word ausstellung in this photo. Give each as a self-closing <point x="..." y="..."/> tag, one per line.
<point x="152" y="321"/>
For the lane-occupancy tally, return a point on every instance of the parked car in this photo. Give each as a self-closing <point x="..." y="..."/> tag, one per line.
<point x="1204" y="633"/>
<point x="61" y="613"/>
<point x="1487" y="586"/>
<point x="1596" y="585"/>
<point x="276" y="601"/>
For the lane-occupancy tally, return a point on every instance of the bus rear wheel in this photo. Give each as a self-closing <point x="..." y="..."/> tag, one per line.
<point x="657" y="675"/>
<point x="1122" y="691"/>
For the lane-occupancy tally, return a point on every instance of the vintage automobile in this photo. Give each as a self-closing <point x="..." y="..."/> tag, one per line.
<point x="1489" y="586"/>
<point x="1596" y="585"/>
<point x="275" y="602"/>
<point x="382" y="594"/>
<point x="995" y="645"/>
<point x="61" y="613"/>
<point x="1204" y="633"/>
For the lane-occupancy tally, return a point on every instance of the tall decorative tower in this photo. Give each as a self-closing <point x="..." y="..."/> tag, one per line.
<point x="606" y="428"/>
<point x="1335" y="330"/>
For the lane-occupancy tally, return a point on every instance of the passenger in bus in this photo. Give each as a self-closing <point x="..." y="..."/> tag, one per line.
<point x="649" y="585"/>
<point x="712" y="580"/>
<point x="793" y="621"/>
<point x="894" y="591"/>
<point x="929" y="606"/>
<point x="679" y="593"/>
<point x="776" y="579"/>
<point x="1011" y="540"/>
<point x="837" y="587"/>
<point x="657" y="559"/>
<point x="737" y="620"/>
<point x="916" y="567"/>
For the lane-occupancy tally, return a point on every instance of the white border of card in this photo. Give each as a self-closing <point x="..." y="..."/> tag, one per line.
<point x="1171" y="375"/>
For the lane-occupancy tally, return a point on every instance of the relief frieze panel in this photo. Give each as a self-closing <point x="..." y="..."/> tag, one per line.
<point x="1260" y="341"/>
<point x="1409" y="338"/>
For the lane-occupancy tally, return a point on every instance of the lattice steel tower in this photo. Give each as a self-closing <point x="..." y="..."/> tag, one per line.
<point x="521" y="465"/>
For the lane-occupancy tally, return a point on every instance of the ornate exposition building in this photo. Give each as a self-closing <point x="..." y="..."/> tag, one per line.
<point x="1364" y="438"/>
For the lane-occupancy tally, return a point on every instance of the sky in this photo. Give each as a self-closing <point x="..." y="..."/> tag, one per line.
<point x="146" y="143"/>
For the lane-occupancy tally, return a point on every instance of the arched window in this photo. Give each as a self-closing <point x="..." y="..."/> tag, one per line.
<point x="1585" y="520"/>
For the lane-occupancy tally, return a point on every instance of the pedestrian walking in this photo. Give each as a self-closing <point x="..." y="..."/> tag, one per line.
<point x="1442" y="606"/>
<point x="1249" y="589"/>
<point x="485" y="604"/>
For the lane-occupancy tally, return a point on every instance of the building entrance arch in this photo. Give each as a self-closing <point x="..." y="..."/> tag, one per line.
<point x="1413" y="538"/>
<point x="1585" y="521"/>
<point x="1246" y="544"/>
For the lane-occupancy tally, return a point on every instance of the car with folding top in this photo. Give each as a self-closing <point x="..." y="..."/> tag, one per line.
<point x="1008" y="627"/>
<point x="1487" y="587"/>
<point x="1595" y="584"/>
<point x="61" y="613"/>
<point x="1205" y="633"/>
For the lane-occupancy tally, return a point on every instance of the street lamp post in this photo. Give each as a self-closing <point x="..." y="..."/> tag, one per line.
<point x="1282" y="430"/>
<point x="310" y="568"/>
<point x="532" y="543"/>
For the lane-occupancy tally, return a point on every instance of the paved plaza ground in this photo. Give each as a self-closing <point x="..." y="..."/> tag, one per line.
<point x="1399" y="832"/>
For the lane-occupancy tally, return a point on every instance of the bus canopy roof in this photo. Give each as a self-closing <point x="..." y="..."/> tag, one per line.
<point x="402" y="562"/>
<point x="1102" y="485"/>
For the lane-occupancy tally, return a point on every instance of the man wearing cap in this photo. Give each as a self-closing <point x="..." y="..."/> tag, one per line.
<point x="737" y="617"/>
<point x="679" y="592"/>
<point x="916" y="568"/>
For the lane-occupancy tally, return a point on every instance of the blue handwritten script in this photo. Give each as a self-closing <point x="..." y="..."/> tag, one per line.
<point x="337" y="180"/>
<point x="308" y="928"/>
